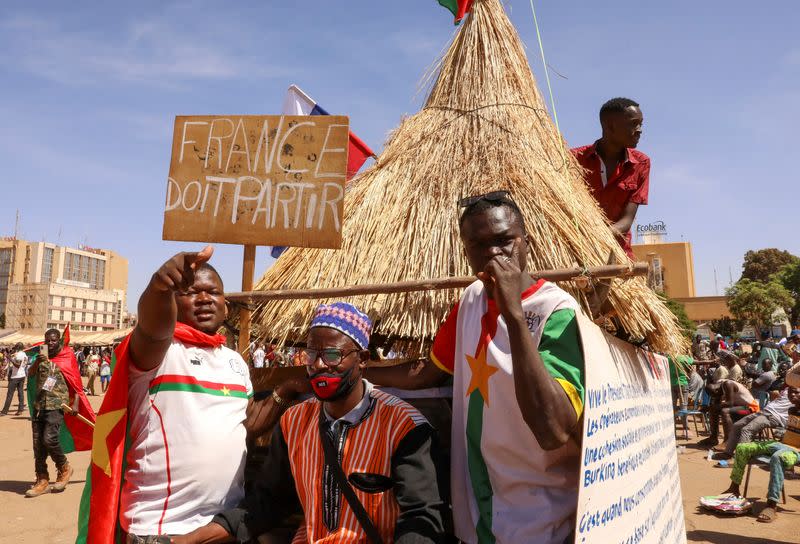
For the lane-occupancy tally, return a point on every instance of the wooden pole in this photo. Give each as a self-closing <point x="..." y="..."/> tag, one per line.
<point x="69" y="410"/>
<point x="248" y="271"/>
<point x="562" y="274"/>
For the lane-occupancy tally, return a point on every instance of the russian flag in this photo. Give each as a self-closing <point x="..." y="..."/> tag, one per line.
<point x="297" y="102"/>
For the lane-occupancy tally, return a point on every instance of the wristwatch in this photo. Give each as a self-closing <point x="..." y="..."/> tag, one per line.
<point x="282" y="404"/>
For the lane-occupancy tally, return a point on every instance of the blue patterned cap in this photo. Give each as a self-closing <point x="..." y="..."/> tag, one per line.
<point x="346" y="319"/>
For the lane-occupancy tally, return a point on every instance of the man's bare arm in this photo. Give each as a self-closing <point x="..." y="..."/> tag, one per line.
<point x="624" y="224"/>
<point x="409" y="376"/>
<point x="212" y="533"/>
<point x="544" y="404"/>
<point x="263" y="415"/>
<point x="158" y="311"/>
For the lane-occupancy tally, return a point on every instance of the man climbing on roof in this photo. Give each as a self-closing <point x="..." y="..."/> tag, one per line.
<point x="617" y="174"/>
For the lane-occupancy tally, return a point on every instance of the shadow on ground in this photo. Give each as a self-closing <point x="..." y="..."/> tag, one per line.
<point x="20" y="487"/>
<point x="727" y="538"/>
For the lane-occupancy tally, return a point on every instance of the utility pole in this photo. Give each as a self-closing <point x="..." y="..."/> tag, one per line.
<point x="16" y="226"/>
<point x="716" y="284"/>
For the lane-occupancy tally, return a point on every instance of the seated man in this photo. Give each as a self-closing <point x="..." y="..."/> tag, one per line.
<point x="764" y="381"/>
<point x="783" y="456"/>
<point x="376" y="442"/>
<point x="695" y="387"/>
<point x="678" y="380"/>
<point x="729" y="400"/>
<point x="775" y="415"/>
<point x="731" y="362"/>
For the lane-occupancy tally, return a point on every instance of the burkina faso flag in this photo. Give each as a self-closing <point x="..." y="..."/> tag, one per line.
<point x="76" y="433"/>
<point x="459" y="8"/>
<point x="98" y="513"/>
<point x="98" y="516"/>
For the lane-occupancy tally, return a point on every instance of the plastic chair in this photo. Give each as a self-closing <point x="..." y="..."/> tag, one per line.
<point x="694" y="413"/>
<point x="761" y="460"/>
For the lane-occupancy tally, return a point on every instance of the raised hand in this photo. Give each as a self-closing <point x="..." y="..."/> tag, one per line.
<point x="502" y="277"/>
<point x="158" y="311"/>
<point x="178" y="272"/>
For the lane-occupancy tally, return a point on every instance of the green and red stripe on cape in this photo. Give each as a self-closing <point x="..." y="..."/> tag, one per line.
<point x="98" y="517"/>
<point x="75" y="434"/>
<point x="459" y="8"/>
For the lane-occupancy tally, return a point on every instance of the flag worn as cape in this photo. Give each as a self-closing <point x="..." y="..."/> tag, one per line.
<point x="75" y="434"/>
<point x="98" y="517"/>
<point x="459" y="8"/>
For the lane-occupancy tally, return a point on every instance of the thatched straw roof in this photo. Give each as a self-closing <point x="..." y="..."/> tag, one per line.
<point x="484" y="127"/>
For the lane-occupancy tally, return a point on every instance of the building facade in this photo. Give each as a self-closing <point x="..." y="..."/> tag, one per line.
<point x="671" y="266"/>
<point x="44" y="285"/>
<point x="672" y="273"/>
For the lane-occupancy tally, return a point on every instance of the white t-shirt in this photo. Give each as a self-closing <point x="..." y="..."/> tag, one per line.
<point x="258" y="358"/>
<point x="17" y="372"/>
<point x="531" y="493"/>
<point x="187" y="454"/>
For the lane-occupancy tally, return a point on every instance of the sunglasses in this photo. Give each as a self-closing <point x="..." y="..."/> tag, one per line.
<point x="494" y="196"/>
<point x="331" y="357"/>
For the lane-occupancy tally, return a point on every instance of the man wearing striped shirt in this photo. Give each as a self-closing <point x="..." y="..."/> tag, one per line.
<point x="381" y="444"/>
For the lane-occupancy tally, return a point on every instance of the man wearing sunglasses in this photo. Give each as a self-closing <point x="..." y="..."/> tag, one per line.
<point x="512" y="347"/>
<point x="356" y="461"/>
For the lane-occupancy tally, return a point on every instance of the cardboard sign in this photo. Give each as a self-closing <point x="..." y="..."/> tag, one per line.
<point x="257" y="179"/>
<point x="630" y="491"/>
<point x="792" y="436"/>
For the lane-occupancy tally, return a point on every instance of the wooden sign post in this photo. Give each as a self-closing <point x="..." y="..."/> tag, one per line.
<point x="257" y="180"/>
<point x="248" y="272"/>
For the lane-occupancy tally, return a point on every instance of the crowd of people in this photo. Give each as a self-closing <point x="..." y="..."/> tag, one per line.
<point x="347" y="461"/>
<point x="751" y="391"/>
<point x="15" y="363"/>
<point x="270" y="355"/>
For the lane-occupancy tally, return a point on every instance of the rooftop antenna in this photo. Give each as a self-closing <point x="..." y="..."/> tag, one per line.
<point x="716" y="285"/>
<point x="16" y="226"/>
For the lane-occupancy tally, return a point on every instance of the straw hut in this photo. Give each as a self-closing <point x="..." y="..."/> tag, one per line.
<point x="484" y="127"/>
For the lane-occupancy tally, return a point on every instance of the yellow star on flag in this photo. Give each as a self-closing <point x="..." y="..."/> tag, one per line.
<point x="103" y="426"/>
<point x="225" y="391"/>
<point x="481" y="372"/>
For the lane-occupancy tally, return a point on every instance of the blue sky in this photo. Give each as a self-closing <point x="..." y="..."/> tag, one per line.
<point x="90" y="91"/>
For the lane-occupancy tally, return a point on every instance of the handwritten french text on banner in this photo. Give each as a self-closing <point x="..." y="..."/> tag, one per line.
<point x="257" y="179"/>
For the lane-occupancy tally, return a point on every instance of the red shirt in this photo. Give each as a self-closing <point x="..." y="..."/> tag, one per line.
<point x="630" y="182"/>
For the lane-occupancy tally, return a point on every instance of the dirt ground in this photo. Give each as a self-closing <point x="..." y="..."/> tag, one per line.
<point x="52" y="518"/>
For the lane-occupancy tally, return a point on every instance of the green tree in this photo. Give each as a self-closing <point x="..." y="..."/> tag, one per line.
<point x="789" y="276"/>
<point x="726" y="326"/>
<point x="755" y="302"/>
<point x="761" y="264"/>
<point x="687" y="326"/>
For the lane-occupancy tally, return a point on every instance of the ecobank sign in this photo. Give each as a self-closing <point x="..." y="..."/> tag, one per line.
<point x="657" y="227"/>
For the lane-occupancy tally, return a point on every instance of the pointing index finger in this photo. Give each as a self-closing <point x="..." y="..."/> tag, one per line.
<point x="202" y="256"/>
